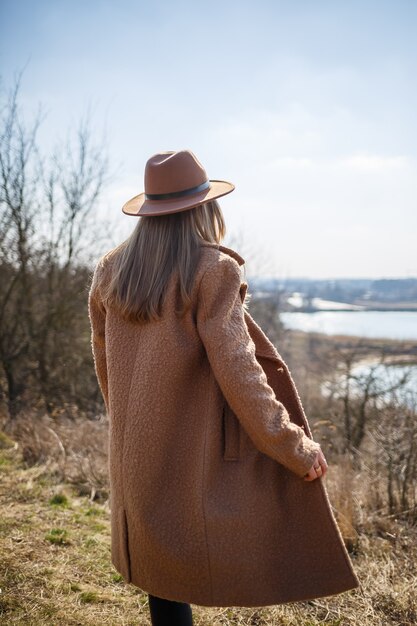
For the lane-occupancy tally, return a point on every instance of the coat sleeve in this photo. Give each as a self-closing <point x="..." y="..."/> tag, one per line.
<point x="231" y="354"/>
<point x="97" y="316"/>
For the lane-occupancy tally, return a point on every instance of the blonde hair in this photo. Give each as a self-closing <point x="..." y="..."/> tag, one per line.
<point x="158" y="246"/>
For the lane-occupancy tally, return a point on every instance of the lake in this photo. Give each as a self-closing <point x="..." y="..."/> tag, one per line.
<point x="384" y="377"/>
<point x="375" y="324"/>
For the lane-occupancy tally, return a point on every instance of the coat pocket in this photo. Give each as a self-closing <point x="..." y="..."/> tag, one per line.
<point x="231" y="435"/>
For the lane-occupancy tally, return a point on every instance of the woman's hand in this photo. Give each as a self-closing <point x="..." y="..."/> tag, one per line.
<point x="319" y="468"/>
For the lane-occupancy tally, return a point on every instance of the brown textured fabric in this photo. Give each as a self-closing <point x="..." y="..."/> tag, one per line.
<point x="208" y="444"/>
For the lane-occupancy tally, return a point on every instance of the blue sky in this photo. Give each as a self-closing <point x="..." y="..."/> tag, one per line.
<point x="307" y="107"/>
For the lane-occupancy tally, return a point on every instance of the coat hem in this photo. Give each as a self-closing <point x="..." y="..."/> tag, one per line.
<point x="268" y="600"/>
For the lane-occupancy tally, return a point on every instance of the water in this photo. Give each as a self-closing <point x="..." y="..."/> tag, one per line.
<point x="384" y="378"/>
<point x="375" y="324"/>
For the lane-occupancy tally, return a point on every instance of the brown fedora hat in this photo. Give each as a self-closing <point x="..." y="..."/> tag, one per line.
<point x="175" y="181"/>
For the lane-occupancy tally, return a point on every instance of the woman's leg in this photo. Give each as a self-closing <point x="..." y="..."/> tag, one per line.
<point x="169" y="612"/>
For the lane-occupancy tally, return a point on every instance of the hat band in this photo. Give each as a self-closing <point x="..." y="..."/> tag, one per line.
<point x="178" y="194"/>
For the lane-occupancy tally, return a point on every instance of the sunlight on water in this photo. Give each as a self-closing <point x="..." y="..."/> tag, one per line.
<point x="384" y="324"/>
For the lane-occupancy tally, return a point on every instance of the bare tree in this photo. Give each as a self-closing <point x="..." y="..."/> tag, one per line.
<point x="47" y="238"/>
<point x="18" y="202"/>
<point x="360" y="393"/>
<point x="395" y="438"/>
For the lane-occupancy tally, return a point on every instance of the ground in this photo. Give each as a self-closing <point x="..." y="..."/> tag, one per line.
<point x="55" y="567"/>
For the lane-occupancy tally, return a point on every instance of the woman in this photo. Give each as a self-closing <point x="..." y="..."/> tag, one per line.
<point x="216" y="484"/>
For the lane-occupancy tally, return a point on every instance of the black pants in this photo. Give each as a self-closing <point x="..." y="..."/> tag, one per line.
<point x="169" y="612"/>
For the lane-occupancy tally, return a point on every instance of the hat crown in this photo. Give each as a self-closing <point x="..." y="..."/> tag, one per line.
<point x="169" y="172"/>
<point x="175" y="181"/>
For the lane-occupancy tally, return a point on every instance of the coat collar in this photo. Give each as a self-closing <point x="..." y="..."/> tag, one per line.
<point x="226" y="250"/>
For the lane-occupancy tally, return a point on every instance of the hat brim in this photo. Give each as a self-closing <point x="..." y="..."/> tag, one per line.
<point x="139" y="205"/>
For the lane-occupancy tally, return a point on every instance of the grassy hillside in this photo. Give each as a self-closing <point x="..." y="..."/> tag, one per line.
<point x="56" y="571"/>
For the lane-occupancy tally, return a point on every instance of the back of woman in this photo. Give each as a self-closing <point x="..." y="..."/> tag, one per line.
<point x="206" y="463"/>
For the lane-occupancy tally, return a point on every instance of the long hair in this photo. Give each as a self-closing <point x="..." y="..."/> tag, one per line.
<point x="158" y="246"/>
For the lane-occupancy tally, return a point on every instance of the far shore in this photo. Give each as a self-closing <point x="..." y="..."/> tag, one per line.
<point x="358" y="306"/>
<point x="396" y="351"/>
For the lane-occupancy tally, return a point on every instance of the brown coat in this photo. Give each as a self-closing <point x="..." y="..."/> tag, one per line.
<point x="208" y="446"/>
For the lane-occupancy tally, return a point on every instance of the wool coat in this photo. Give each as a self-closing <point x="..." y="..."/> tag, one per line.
<point x="208" y="446"/>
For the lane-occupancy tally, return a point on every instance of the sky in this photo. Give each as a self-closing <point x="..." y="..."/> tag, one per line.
<point x="308" y="107"/>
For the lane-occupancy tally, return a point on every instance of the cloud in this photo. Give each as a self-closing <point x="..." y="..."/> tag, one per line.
<point x="376" y="162"/>
<point x="319" y="194"/>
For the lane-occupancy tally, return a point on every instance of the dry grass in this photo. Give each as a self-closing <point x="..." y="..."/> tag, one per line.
<point x="74" y="449"/>
<point x="56" y="568"/>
